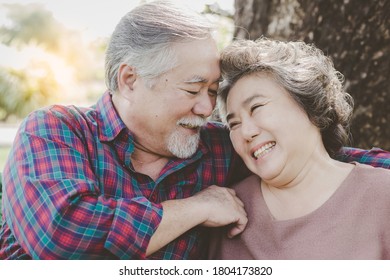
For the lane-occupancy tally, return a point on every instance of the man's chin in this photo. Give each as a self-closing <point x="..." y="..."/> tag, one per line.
<point x="190" y="131"/>
<point x="183" y="146"/>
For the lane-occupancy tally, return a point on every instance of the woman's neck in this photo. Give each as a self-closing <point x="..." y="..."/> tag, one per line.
<point x="307" y="190"/>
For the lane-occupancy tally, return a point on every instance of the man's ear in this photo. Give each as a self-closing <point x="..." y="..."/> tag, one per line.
<point x="126" y="78"/>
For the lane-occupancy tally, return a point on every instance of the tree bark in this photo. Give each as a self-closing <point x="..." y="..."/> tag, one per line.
<point x="356" y="35"/>
<point x="251" y="18"/>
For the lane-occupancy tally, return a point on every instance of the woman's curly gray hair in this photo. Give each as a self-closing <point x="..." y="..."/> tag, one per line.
<point x="304" y="71"/>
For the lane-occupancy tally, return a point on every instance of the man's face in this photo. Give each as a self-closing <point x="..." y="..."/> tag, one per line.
<point x="166" y="117"/>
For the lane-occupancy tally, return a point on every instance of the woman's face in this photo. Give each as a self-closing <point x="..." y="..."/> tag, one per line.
<point x="269" y="130"/>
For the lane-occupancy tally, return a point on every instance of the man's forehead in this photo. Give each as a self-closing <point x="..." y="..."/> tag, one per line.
<point x="200" y="79"/>
<point x="196" y="79"/>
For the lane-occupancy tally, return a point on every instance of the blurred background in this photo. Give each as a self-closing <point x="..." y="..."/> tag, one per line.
<point x="52" y="51"/>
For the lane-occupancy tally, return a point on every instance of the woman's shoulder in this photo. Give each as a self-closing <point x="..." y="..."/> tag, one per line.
<point x="369" y="172"/>
<point x="247" y="186"/>
<point x="250" y="180"/>
<point x="375" y="179"/>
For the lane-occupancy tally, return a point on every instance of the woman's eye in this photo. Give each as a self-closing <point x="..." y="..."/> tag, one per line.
<point x="233" y="125"/>
<point x="254" y="107"/>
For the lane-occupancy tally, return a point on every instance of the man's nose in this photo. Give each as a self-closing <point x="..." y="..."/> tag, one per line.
<point x="205" y="104"/>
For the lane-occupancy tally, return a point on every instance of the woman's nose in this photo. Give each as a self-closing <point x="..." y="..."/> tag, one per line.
<point x="249" y="129"/>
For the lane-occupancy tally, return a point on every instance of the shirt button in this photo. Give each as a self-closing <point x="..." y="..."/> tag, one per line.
<point x="154" y="196"/>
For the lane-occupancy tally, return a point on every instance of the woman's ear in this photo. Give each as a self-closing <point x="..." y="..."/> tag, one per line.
<point x="126" y="78"/>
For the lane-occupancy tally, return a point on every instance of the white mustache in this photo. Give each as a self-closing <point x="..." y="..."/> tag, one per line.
<point x="194" y="121"/>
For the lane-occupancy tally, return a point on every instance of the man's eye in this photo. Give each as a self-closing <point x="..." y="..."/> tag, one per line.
<point x="213" y="92"/>
<point x="192" y="92"/>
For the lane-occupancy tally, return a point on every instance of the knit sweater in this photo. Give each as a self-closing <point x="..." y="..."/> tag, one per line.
<point x="354" y="223"/>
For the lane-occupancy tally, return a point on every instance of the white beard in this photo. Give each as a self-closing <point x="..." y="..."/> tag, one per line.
<point x="182" y="145"/>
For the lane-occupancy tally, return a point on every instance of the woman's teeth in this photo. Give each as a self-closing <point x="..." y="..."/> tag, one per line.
<point x="264" y="150"/>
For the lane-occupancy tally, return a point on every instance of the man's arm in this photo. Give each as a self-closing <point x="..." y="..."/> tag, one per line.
<point x="213" y="207"/>
<point x="56" y="210"/>
<point x="53" y="202"/>
<point x="375" y="157"/>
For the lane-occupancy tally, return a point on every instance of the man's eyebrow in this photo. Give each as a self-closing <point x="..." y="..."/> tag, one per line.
<point x="196" y="79"/>
<point x="199" y="79"/>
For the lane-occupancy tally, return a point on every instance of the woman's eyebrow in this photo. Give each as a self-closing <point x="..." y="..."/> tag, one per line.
<point x="229" y="116"/>
<point x="244" y="103"/>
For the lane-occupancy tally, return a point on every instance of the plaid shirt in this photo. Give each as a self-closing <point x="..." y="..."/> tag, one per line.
<point x="375" y="157"/>
<point x="70" y="191"/>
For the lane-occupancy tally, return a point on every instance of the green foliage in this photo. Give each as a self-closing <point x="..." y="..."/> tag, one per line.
<point x="9" y="89"/>
<point x="21" y="93"/>
<point x="1" y="194"/>
<point x="31" y="24"/>
<point x="4" y="151"/>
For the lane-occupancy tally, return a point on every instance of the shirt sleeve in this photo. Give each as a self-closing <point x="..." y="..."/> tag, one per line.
<point x="375" y="157"/>
<point x="53" y="203"/>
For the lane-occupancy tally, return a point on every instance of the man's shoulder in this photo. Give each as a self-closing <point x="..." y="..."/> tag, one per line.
<point x="215" y="128"/>
<point x="216" y="125"/>
<point x="216" y="140"/>
<point x="58" y="117"/>
<point x="215" y="133"/>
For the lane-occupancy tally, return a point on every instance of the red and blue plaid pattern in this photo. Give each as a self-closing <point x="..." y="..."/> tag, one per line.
<point x="375" y="157"/>
<point x="70" y="191"/>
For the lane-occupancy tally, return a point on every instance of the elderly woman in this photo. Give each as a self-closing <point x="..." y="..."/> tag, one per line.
<point x="288" y="115"/>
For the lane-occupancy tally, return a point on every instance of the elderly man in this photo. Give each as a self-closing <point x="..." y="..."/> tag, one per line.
<point x="139" y="175"/>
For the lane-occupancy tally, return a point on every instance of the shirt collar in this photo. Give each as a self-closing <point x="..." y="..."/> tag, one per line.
<point x="110" y="124"/>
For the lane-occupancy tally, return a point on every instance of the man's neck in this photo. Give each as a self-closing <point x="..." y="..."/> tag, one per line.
<point x="148" y="163"/>
<point x="151" y="169"/>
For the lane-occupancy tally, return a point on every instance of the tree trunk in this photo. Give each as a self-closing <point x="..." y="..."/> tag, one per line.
<point x="356" y="35"/>
<point x="251" y="18"/>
